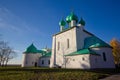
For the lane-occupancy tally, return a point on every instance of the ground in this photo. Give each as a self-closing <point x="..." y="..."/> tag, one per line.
<point x="38" y="73"/>
<point x="112" y="77"/>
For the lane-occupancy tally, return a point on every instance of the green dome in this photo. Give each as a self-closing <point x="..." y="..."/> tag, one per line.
<point x="82" y="22"/>
<point x="62" y="23"/>
<point x="71" y="17"/>
<point x="31" y="49"/>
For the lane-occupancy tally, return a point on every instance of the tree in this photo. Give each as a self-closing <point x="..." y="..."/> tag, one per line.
<point x="6" y="53"/>
<point x="116" y="50"/>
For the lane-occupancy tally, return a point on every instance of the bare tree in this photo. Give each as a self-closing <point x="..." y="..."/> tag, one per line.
<point x="6" y="53"/>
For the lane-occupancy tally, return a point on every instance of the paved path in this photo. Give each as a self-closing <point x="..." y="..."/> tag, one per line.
<point x="112" y="77"/>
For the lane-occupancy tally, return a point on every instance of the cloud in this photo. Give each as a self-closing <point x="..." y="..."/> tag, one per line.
<point x="17" y="51"/>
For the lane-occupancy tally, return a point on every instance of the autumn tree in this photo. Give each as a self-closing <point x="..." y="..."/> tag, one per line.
<point x="116" y="50"/>
<point x="6" y="53"/>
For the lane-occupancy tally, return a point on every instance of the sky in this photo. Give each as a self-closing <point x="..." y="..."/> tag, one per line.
<point x="23" y="22"/>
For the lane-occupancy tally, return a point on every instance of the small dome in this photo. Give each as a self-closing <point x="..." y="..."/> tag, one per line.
<point x="31" y="49"/>
<point x="82" y="22"/>
<point x="62" y="23"/>
<point x="71" y="17"/>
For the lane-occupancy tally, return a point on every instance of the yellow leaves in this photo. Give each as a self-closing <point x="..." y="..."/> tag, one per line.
<point x="116" y="50"/>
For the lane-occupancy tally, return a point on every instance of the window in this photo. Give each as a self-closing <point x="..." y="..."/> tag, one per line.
<point x="104" y="56"/>
<point x="68" y="44"/>
<point x="83" y="58"/>
<point x="73" y="59"/>
<point x="58" y="45"/>
<point x="42" y="61"/>
<point x="48" y="61"/>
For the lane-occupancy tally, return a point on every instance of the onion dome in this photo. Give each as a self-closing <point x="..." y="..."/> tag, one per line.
<point x="31" y="49"/>
<point x="71" y="17"/>
<point x="62" y="23"/>
<point x="82" y="22"/>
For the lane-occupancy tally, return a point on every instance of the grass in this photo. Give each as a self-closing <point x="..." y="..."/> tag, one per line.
<point x="32" y="73"/>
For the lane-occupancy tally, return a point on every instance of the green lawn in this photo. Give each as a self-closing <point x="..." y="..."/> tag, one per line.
<point x="32" y="73"/>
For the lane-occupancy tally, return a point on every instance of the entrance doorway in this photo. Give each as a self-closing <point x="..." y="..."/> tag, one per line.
<point x="35" y="64"/>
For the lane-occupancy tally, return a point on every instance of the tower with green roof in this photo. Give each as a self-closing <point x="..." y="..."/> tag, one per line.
<point x="62" y="24"/>
<point x="81" y="22"/>
<point x="32" y="56"/>
<point x="72" y="19"/>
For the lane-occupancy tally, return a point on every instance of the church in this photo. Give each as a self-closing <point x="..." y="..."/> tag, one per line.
<point x="72" y="47"/>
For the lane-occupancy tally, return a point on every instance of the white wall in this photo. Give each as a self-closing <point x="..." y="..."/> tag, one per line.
<point x="78" y="62"/>
<point x="23" y="59"/>
<point x="62" y="39"/>
<point x="95" y="61"/>
<point x="53" y="59"/>
<point x="81" y="35"/>
<point x="30" y="59"/>
<point x="45" y="61"/>
<point x="109" y="63"/>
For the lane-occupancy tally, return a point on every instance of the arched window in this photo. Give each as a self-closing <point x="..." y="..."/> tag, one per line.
<point x="42" y="61"/>
<point x="58" y="45"/>
<point x="83" y="58"/>
<point x="48" y="61"/>
<point x="68" y="43"/>
<point x="104" y="56"/>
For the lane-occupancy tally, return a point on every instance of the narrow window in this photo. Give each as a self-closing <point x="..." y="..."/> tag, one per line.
<point x="58" y="45"/>
<point x="48" y="61"/>
<point x="42" y="61"/>
<point x="68" y="44"/>
<point x="104" y="56"/>
<point x="83" y="58"/>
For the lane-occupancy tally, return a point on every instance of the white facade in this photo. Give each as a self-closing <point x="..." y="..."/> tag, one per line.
<point x="78" y="61"/>
<point x="60" y="45"/>
<point x="108" y="62"/>
<point x="44" y="61"/>
<point x="30" y="59"/>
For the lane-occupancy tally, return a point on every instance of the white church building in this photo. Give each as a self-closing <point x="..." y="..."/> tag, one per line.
<point x="72" y="47"/>
<point x="75" y="47"/>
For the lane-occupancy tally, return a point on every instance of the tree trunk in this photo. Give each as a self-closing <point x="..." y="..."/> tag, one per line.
<point x="6" y="62"/>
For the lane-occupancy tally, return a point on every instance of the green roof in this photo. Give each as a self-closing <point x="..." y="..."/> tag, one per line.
<point x="93" y="41"/>
<point x="82" y="51"/>
<point x="82" y="22"/>
<point x="47" y="54"/>
<point x="33" y="49"/>
<point x="71" y="17"/>
<point x="62" y="23"/>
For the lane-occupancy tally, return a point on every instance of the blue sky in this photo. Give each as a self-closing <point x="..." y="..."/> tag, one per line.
<point x="25" y="21"/>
